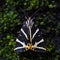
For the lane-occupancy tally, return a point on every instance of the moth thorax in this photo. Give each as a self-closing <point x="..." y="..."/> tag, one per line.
<point x="29" y="47"/>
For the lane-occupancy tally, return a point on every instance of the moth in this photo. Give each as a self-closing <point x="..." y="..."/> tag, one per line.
<point x="29" y="37"/>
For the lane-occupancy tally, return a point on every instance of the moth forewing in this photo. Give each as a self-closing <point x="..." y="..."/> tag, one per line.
<point x="37" y="43"/>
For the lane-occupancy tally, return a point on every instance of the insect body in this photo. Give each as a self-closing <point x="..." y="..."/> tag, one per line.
<point x="29" y="38"/>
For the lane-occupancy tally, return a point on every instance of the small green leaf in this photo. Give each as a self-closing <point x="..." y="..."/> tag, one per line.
<point x="8" y="36"/>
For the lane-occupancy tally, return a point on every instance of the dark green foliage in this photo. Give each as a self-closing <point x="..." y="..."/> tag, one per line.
<point x="12" y="17"/>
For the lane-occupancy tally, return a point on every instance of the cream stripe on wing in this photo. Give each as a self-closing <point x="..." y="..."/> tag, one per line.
<point x="20" y="43"/>
<point x="35" y="33"/>
<point x="18" y="48"/>
<point x="24" y="33"/>
<point x="17" y="40"/>
<point x="36" y="43"/>
<point x="41" y="48"/>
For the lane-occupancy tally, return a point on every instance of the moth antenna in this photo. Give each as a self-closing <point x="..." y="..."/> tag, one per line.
<point x="25" y="13"/>
<point x="35" y="12"/>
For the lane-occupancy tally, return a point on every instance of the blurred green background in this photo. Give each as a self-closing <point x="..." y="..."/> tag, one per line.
<point x="12" y="17"/>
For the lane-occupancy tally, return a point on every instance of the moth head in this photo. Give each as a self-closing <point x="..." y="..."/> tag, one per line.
<point x="29" y="22"/>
